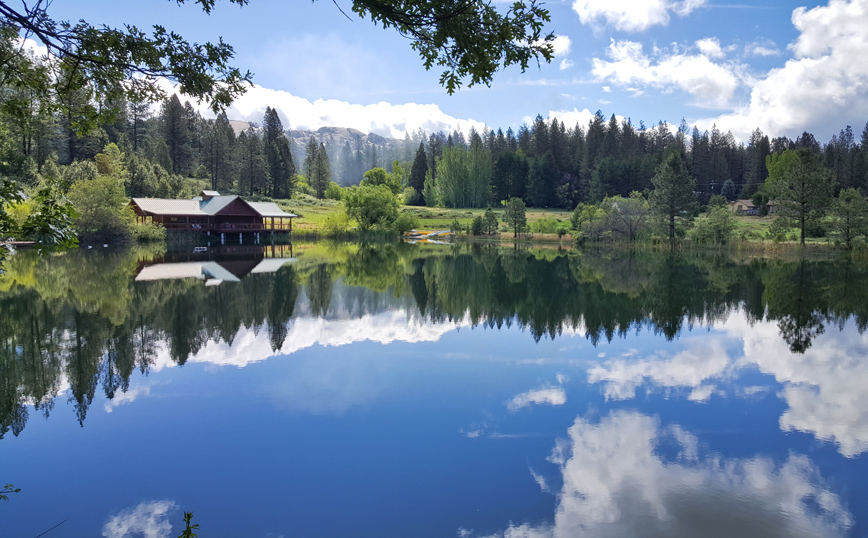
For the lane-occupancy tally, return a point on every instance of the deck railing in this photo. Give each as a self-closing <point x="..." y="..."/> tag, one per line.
<point x="226" y="228"/>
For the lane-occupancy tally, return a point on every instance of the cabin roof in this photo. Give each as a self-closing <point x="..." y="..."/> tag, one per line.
<point x="200" y="270"/>
<point x="272" y="265"/>
<point x="270" y="209"/>
<point x="197" y="207"/>
<point x="214" y="205"/>
<point x="162" y="206"/>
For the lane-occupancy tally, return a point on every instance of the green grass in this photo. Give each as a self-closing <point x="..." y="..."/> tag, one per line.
<point x="312" y="213"/>
<point x="441" y="218"/>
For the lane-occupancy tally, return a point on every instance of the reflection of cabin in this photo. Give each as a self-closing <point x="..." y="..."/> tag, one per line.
<point x="210" y="212"/>
<point x="743" y="207"/>
<point x="216" y="265"/>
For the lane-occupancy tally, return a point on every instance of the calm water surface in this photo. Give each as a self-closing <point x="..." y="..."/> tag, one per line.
<point x="406" y="390"/>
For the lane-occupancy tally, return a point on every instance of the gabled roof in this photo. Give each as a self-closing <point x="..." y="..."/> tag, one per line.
<point x="746" y="203"/>
<point x="270" y="209"/>
<point x="197" y="207"/>
<point x="212" y="206"/>
<point x="161" y="206"/>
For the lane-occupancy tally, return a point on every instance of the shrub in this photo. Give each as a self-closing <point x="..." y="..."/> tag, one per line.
<point x="410" y="196"/>
<point x="476" y="226"/>
<point x="405" y="222"/>
<point x="149" y="233"/>
<point x="371" y="206"/>
<point x="333" y="191"/>
<point x="336" y="225"/>
<point x="547" y="225"/>
<point x="716" y="228"/>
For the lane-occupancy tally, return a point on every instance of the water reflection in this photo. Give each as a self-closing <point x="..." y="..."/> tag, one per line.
<point x="87" y="321"/>
<point x="148" y="519"/>
<point x="616" y="483"/>
<point x="824" y="387"/>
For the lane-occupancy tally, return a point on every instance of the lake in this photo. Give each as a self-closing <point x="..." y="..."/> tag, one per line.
<point x="321" y="390"/>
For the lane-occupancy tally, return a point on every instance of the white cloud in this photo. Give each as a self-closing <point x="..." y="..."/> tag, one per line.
<point x="710" y="47"/>
<point x="762" y="48"/>
<point x="631" y="15"/>
<point x="540" y="480"/>
<point x="566" y="63"/>
<point x="546" y="395"/>
<point x="147" y="520"/>
<point x="570" y="118"/>
<point x="711" y="84"/>
<point x="616" y="484"/>
<point x="383" y="118"/>
<point x="823" y="87"/>
<point x="562" y="45"/>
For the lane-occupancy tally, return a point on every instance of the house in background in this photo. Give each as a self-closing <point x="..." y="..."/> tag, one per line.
<point x="743" y="207"/>
<point x="210" y="212"/>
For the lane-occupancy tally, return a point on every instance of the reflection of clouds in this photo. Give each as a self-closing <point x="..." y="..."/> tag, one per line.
<point x="148" y="520"/>
<point x="248" y="347"/>
<point x="705" y="360"/>
<point x="826" y="388"/>
<point x="129" y="396"/>
<point x="545" y="395"/>
<point x="615" y="484"/>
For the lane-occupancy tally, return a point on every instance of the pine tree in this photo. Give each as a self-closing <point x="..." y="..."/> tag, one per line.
<point x="672" y="197"/>
<point x="801" y="186"/>
<point x="176" y="133"/>
<point x="253" y="169"/>
<point x="278" y="155"/>
<point x="516" y="216"/>
<point x="417" y="173"/>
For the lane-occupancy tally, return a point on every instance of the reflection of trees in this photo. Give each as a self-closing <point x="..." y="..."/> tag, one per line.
<point x="794" y="298"/>
<point x="53" y="324"/>
<point x="284" y="294"/>
<point x="319" y="290"/>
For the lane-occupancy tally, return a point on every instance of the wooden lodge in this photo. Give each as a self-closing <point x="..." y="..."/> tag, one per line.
<point x="210" y="212"/>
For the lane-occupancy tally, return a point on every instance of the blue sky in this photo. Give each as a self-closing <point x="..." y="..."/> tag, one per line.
<point x="784" y="67"/>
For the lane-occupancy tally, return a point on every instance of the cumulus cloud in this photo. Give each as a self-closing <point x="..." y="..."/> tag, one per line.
<point x="562" y="45"/>
<point x="762" y="48"/>
<point x="383" y="118"/>
<point x="710" y="47"/>
<point x="824" y="85"/>
<point x="711" y="84"/>
<point x="616" y="484"/>
<point x="545" y="395"/>
<point x="631" y="15"/>
<point x="149" y="519"/>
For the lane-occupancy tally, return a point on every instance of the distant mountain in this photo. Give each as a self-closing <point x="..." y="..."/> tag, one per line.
<point x="334" y="137"/>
